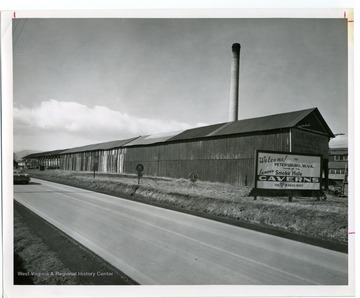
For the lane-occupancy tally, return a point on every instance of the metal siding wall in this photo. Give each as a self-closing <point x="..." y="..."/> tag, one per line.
<point x="310" y="143"/>
<point x="228" y="160"/>
<point x="110" y="161"/>
<point x="120" y="159"/>
<point x="102" y="163"/>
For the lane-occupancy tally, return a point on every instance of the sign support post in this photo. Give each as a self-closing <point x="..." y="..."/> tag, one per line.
<point x="139" y="169"/>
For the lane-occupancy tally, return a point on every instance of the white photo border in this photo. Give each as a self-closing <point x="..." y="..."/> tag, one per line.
<point x="157" y="291"/>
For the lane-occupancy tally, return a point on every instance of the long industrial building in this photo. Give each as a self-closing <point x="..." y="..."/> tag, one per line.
<point x="223" y="152"/>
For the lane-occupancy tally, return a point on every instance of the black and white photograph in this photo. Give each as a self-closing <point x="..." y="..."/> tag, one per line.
<point x="182" y="150"/>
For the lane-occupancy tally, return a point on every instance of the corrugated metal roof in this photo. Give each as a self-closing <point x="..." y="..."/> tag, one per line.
<point x="277" y="121"/>
<point x="272" y="122"/>
<point x="99" y="146"/>
<point x="153" y="139"/>
<point x="44" y="154"/>
<point x="198" y="132"/>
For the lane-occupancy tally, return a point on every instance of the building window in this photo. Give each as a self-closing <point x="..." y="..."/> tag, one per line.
<point x="337" y="171"/>
<point x="340" y="157"/>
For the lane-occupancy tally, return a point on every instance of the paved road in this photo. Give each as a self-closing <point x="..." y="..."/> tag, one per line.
<point x="158" y="246"/>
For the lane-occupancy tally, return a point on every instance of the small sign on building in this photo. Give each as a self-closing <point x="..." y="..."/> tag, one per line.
<point x="287" y="174"/>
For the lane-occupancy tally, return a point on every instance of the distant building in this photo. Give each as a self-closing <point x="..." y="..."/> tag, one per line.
<point x="21" y="163"/>
<point x="338" y="165"/>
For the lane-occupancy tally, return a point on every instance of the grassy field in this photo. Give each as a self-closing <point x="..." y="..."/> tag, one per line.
<point x="326" y="220"/>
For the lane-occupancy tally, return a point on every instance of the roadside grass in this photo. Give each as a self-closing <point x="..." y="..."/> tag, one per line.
<point x="326" y="220"/>
<point x="34" y="262"/>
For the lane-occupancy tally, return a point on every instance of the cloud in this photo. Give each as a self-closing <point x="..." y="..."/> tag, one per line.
<point x="341" y="141"/>
<point x="98" y="123"/>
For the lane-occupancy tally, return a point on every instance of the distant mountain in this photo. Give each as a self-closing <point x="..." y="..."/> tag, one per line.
<point x="20" y="154"/>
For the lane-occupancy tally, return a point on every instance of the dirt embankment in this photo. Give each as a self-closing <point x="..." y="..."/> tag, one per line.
<point x="303" y="217"/>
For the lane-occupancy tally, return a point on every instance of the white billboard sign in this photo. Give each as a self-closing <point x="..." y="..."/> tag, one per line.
<point x="288" y="171"/>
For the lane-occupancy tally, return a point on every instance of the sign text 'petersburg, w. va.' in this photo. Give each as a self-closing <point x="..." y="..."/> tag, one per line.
<point x="277" y="170"/>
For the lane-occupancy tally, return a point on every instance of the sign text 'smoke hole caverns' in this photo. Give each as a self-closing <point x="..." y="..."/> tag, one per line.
<point x="287" y="174"/>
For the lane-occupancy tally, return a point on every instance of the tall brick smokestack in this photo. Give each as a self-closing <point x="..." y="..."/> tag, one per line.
<point x="234" y="83"/>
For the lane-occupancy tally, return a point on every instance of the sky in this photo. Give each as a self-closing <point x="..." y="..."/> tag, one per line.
<point x="84" y="81"/>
